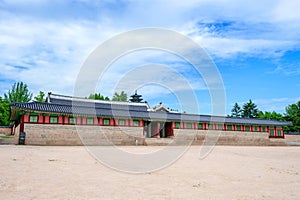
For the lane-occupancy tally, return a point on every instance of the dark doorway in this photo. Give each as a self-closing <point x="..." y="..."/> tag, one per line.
<point x="158" y="129"/>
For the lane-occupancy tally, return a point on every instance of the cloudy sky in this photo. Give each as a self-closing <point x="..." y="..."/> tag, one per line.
<point x="254" y="44"/>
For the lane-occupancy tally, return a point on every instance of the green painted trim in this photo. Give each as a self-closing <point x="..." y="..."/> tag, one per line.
<point x="188" y="125"/>
<point x="89" y="121"/>
<point x="33" y="113"/>
<point x="200" y="125"/>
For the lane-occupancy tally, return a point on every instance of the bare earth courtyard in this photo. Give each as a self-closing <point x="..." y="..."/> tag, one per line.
<point x="45" y="172"/>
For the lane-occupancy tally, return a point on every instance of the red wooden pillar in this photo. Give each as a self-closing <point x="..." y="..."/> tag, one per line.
<point x="60" y="119"/>
<point x="101" y="121"/>
<point x="78" y="120"/>
<point x="112" y="122"/>
<point x="25" y="118"/>
<point x="157" y="129"/>
<point x="40" y="119"/>
<point x="47" y="119"/>
<point x="22" y="123"/>
<point x="223" y="127"/>
<point x="96" y="121"/>
<point x="141" y="123"/>
<point x="173" y="125"/>
<point x="66" y="119"/>
<point x="83" y="120"/>
<point x="169" y="130"/>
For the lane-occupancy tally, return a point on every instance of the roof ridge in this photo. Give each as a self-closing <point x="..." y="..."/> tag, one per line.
<point x="72" y="98"/>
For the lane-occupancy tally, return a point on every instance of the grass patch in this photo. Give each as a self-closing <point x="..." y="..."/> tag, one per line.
<point x="6" y="136"/>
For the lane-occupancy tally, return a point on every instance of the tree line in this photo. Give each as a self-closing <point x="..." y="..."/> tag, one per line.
<point x="19" y="92"/>
<point x="250" y="110"/>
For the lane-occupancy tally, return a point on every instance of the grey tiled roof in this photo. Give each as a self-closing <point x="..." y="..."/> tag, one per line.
<point x="129" y="110"/>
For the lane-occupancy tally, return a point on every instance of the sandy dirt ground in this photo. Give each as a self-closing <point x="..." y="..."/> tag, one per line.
<point x="43" y="172"/>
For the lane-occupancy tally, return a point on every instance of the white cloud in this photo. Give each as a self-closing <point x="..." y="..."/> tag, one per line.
<point x="287" y="11"/>
<point x="288" y="69"/>
<point x="228" y="47"/>
<point x="49" y="54"/>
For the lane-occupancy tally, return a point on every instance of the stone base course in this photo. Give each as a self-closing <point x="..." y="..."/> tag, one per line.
<point x="37" y="134"/>
<point x="43" y="134"/>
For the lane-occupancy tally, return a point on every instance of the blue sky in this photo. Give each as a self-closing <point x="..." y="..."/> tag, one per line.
<point x="254" y="44"/>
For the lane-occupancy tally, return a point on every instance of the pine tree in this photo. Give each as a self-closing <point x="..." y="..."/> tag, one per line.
<point x="250" y="110"/>
<point x="120" y="97"/>
<point x="40" y="97"/>
<point x="236" y="110"/>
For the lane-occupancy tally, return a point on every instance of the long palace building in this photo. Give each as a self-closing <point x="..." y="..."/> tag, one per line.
<point x="65" y="120"/>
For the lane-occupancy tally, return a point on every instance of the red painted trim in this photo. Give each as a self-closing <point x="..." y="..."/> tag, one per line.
<point x="276" y="137"/>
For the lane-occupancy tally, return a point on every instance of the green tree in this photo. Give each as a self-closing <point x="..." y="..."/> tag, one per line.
<point x="4" y="112"/>
<point x="18" y="93"/>
<point x="271" y="115"/>
<point x="236" y="110"/>
<point x="293" y="115"/>
<point x="40" y="97"/>
<point x="120" y="97"/>
<point x="98" y="96"/>
<point x="250" y="110"/>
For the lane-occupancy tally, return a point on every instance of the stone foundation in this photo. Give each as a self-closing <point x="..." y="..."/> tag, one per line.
<point x="50" y="134"/>
<point x="42" y="134"/>
<point x="213" y="137"/>
<point x="5" y="130"/>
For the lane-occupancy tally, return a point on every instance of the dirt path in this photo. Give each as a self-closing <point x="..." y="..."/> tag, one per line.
<point x="33" y="172"/>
